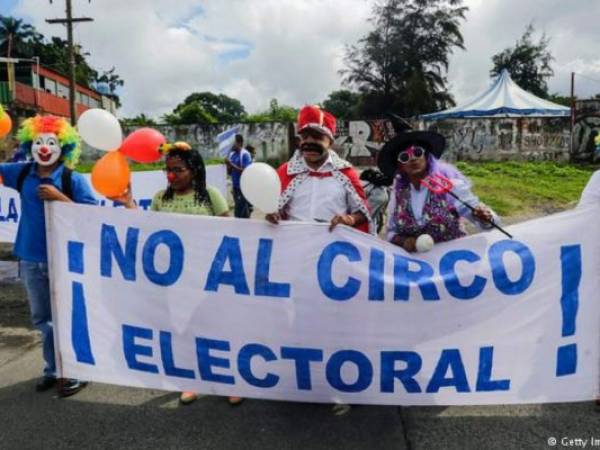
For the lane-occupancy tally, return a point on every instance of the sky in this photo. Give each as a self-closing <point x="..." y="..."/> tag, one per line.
<point x="292" y="50"/>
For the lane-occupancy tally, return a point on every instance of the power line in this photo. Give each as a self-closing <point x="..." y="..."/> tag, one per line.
<point x="587" y="77"/>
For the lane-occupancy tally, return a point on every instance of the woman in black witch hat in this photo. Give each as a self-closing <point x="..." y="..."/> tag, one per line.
<point x="414" y="210"/>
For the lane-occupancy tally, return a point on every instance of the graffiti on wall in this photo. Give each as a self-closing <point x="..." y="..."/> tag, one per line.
<point x="359" y="141"/>
<point x="585" y="129"/>
<point x="511" y="138"/>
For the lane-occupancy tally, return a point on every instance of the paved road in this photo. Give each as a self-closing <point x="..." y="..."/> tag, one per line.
<point x="104" y="416"/>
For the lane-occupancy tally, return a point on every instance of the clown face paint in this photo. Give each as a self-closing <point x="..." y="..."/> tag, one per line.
<point x="45" y="149"/>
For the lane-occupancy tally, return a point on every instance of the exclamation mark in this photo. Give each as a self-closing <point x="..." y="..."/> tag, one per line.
<point x="80" y="334"/>
<point x="570" y="258"/>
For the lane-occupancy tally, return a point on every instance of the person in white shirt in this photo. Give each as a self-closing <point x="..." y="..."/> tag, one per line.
<point x="317" y="185"/>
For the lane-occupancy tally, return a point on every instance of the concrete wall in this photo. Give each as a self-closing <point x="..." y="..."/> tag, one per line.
<point x="532" y="139"/>
<point x="498" y="139"/>
<point x="271" y="140"/>
<point x="490" y="139"/>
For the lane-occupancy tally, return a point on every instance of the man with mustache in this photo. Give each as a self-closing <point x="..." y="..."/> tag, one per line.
<point x="317" y="185"/>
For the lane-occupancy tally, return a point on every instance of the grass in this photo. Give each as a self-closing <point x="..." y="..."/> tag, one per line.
<point x="522" y="188"/>
<point x="142" y="167"/>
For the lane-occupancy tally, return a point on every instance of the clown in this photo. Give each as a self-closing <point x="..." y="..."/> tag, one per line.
<point x="317" y="185"/>
<point x="54" y="147"/>
<point x="49" y="139"/>
<point x="416" y="213"/>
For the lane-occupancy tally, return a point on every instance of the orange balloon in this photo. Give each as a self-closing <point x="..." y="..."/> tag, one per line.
<point x="5" y="125"/>
<point x="111" y="174"/>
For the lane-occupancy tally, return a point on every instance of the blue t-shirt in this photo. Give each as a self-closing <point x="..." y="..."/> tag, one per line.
<point x="30" y="244"/>
<point x="242" y="159"/>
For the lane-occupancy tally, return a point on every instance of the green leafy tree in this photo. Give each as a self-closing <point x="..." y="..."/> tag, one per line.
<point x="214" y="107"/>
<point x="189" y="114"/>
<point x="527" y="62"/>
<point x="343" y="104"/>
<point x="561" y="99"/>
<point x="275" y="113"/>
<point x="282" y="113"/>
<point x="260" y="117"/>
<point x="401" y="65"/>
<point x="141" y="120"/>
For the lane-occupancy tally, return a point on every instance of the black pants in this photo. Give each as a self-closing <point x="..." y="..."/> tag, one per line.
<point x="242" y="207"/>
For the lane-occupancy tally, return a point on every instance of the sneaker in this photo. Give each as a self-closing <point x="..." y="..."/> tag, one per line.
<point x="188" y="397"/>
<point x="45" y="383"/>
<point x="70" y="386"/>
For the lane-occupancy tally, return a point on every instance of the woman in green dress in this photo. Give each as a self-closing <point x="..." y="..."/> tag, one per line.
<point x="187" y="193"/>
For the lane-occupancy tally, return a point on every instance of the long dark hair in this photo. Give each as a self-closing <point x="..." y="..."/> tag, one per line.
<point x="193" y="160"/>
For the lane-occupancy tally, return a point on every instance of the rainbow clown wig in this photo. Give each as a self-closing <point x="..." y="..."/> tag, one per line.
<point x="67" y="136"/>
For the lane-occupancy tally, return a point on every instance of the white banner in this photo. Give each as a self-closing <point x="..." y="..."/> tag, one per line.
<point x="293" y="312"/>
<point x="144" y="185"/>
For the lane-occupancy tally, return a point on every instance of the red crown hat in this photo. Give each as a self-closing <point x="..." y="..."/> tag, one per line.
<point x="317" y="119"/>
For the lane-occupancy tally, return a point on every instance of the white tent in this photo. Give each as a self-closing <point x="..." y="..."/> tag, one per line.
<point x="504" y="98"/>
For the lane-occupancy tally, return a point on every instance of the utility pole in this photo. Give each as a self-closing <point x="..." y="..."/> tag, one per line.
<point x="68" y="21"/>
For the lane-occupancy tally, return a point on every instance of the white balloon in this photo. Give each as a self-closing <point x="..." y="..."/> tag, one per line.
<point x="100" y="129"/>
<point x="424" y="243"/>
<point x="261" y="186"/>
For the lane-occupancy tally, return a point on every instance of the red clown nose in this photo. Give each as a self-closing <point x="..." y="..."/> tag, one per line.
<point x="171" y="177"/>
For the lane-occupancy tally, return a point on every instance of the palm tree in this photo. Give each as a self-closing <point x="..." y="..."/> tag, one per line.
<point x="15" y="35"/>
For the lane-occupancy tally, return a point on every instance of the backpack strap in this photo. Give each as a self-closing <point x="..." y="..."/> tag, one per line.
<point x="67" y="182"/>
<point x="22" y="175"/>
